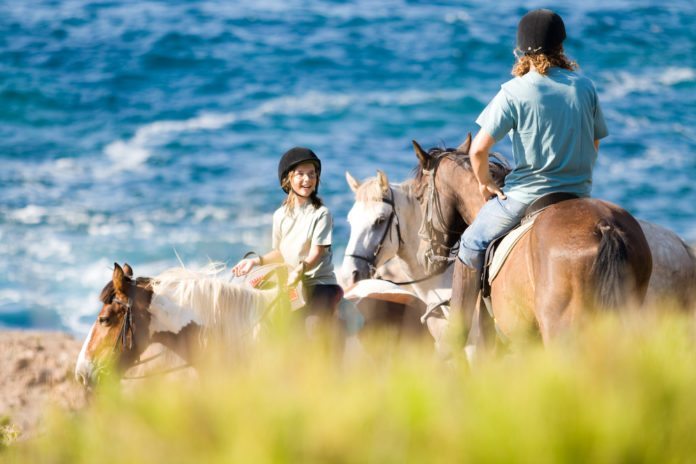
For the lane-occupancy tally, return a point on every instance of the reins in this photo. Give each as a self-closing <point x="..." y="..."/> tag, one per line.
<point x="428" y="232"/>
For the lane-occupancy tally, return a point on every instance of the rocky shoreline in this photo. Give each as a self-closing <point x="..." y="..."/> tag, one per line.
<point x="36" y="372"/>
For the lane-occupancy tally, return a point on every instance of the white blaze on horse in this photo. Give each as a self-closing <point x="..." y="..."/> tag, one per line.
<point x="384" y="224"/>
<point x="184" y="310"/>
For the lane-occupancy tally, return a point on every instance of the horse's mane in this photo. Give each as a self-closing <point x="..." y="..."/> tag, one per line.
<point x="496" y="163"/>
<point x="108" y="292"/>
<point x="371" y="190"/>
<point x="227" y="310"/>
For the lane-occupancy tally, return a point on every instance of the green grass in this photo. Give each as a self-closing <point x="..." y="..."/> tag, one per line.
<point x="616" y="391"/>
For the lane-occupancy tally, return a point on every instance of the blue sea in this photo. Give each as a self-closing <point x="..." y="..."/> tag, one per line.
<point x="139" y="131"/>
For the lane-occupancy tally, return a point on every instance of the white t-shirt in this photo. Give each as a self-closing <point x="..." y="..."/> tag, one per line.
<point x="295" y="231"/>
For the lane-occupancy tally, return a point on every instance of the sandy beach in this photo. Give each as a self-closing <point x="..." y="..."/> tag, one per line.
<point x="36" y="371"/>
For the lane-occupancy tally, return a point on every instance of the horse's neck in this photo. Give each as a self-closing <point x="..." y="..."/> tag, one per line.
<point x="185" y="343"/>
<point x="460" y="185"/>
<point x="410" y="215"/>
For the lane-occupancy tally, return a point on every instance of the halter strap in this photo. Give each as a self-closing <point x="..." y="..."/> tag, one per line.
<point x="387" y="230"/>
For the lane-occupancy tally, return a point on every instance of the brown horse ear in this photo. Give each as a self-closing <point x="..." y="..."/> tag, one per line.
<point x="466" y="145"/>
<point x="383" y="181"/>
<point x="127" y="269"/>
<point x="118" y="279"/>
<point x="352" y="183"/>
<point x="422" y="155"/>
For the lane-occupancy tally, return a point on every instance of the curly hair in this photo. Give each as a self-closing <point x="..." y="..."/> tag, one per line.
<point x="542" y="62"/>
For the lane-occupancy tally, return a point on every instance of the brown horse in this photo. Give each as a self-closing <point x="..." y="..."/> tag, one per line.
<point x="185" y="311"/>
<point x="579" y="255"/>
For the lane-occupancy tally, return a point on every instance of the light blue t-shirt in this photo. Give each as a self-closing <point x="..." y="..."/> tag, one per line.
<point x="553" y="121"/>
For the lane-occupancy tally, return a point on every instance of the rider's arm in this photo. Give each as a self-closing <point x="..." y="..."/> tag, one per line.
<point x="272" y="256"/>
<point x="480" y="147"/>
<point x="316" y="252"/>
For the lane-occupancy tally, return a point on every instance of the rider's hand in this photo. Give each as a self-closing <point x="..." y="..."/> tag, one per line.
<point x="244" y="266"/>
<point x="491" y="190"/>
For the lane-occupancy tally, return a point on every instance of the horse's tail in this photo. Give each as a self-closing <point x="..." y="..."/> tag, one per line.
<point x="610" y="268"/>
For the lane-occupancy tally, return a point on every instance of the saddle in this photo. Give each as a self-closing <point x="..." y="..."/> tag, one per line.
<point x="500" y="248"/>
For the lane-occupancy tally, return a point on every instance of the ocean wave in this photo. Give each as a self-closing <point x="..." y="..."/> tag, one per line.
<point x="134" y="152"/>
<point x="620" y="84"/>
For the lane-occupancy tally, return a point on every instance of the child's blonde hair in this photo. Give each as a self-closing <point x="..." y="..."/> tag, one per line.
<point x="543" y="62"/>
<point x="291" y="199"/>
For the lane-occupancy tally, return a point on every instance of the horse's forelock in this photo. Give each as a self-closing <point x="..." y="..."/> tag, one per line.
<point x="370" y="190"/>
<point x="107" y="294"/>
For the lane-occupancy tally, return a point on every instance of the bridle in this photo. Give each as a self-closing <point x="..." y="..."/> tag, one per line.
<point x="372" y="260"/>
<point x="125" y="343"/>
<point x="435" y="237"/>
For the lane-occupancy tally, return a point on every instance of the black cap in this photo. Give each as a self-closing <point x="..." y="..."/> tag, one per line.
<point x="292" y="158"/>
<point x="540" y="31"/>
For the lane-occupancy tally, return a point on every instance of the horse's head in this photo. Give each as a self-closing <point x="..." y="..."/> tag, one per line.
<point x="375" y="234"/>
<point x="441" y="192"/>
<point x="121" y="331"/>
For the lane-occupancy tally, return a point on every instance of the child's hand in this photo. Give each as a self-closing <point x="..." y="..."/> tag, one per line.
<point x="244" y="266"/>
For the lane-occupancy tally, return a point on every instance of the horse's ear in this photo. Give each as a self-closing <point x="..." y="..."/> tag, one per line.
<point x="422" y="155"/>
<point x="466" y="145"/>
<point x="127" y="269"/>
<point x="118" y="279"/>
<point x="352" y="183"/>
<point x="383" y="181"/>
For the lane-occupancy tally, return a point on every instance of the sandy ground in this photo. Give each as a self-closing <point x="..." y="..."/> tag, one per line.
<point x="36" y="371"/>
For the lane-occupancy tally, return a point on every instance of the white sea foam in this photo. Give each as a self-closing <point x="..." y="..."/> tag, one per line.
<point x="30" y="214"/>
<point x="132" y="153"/>
<point x="620" y="84"/>
<point x="50" y="247"/>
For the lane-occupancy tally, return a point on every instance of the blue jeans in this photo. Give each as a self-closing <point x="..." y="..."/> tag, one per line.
<point x="495" y="219"/>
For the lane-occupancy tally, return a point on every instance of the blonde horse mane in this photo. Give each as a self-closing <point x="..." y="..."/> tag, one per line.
<point x="226" y="311"/>
<point x="371" y="190"/>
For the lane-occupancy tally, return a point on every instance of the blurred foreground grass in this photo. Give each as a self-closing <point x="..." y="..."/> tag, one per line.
<point x="615" y="391"/>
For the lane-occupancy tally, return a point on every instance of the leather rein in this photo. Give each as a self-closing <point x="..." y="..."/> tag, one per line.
<point x="434" y="237"/>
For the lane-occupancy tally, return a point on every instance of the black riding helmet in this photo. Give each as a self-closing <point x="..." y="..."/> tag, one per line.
<point x="540" y="31"/>
<point x="292" y="158"/>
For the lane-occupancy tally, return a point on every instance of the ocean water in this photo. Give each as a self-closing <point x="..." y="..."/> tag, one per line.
<point x="136" y="131"/>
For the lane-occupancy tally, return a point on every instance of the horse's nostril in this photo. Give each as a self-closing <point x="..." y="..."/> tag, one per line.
<point x="356" y="276"/>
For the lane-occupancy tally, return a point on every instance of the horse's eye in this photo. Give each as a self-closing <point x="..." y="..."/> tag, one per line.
<point x="379" y="221"/>
<point x="104" y="320"/>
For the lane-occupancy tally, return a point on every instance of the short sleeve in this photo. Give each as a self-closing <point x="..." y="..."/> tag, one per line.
<point x="497" y="119"/>
<point x="600" y="126"/>
<point x="322" y="229"/>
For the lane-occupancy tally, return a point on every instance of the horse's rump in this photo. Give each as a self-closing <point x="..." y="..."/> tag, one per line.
<point x="600" y="243"/>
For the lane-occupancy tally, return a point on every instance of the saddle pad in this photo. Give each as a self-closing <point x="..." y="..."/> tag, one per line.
<point x="379" y="290"/>
<point x="506" y="246"/>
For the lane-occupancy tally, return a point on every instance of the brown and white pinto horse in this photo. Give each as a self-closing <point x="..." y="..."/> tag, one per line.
<point x="579" y="255"/>
<point x="184" y="310"/>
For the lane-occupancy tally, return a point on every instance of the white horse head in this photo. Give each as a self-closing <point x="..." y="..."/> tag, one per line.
<point x="382" y="222"/>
